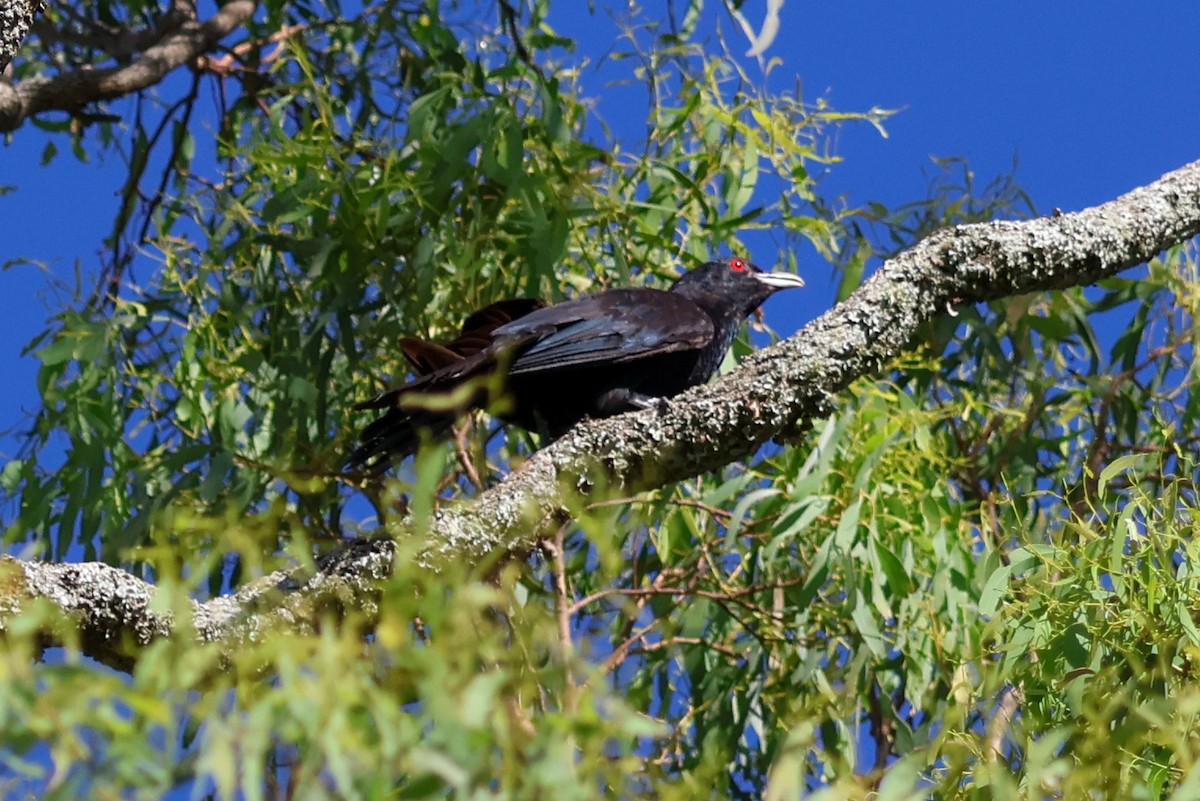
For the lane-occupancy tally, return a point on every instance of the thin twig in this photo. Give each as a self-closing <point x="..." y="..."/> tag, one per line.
<point x="1010" y="701"/>
<point x="562" y="596"/>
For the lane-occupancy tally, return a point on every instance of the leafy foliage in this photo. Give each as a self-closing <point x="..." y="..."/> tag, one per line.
<point x="976" y="579"/>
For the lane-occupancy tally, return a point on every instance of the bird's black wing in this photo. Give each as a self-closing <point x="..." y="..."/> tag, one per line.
<point x="613" y="327"/>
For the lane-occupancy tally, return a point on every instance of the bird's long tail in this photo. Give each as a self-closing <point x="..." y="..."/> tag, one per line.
<point x="397" y="434"/>
<point x="452" y="378"/>
<point x="424" y="408"/>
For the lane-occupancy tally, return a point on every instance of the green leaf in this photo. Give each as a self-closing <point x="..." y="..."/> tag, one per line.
<point x="10" y="476"/>
<point x="847" y="528"/>
<point x="897" y="577"/>
<point x="1120" y="465"/>
<point x="995" y="589"/>
<point x="868" y="629"/>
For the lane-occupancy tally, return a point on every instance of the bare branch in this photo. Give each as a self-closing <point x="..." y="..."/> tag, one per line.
<point x="776" y="391"/>
<point x="119" y="43"/>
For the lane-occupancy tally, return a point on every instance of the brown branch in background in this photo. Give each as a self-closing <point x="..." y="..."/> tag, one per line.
<point x="562" y="605"/>
<point x="717" y="512"/>
<point x="733" y="595"/>
<point x="72" y="90"/>
<point x="628" y="637"/>
<point x="510" y="18"/>
<point x="627" y="647"/>
<point x="121" y="43"/>
<point x="232" y="61"/>
<point x="675" y="642"/>
<point x="463" y="451"/>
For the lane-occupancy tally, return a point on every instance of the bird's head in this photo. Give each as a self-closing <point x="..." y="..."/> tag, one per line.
<point x="734" y="284"/>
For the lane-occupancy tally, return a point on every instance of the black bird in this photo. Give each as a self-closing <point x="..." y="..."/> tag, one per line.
<point x="547" y="368"/>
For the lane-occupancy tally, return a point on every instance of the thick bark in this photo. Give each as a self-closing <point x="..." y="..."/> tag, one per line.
<point x="775" y="391"/>
<point x="114" y="615"/>
<point x="16" y="18"/>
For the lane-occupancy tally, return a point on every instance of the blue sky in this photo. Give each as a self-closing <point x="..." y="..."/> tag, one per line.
<point x="1093" y="99"/>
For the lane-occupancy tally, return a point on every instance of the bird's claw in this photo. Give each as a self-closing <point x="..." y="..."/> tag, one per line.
<point x="639" y="401"/>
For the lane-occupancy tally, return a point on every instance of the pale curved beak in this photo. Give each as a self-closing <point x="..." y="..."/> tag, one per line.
<point x="780" y="280"/>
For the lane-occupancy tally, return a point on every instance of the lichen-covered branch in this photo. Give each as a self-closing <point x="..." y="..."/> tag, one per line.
<point x="16" y="18"/>
<point x="797" y="379"/>
<point x="776" y="390"/>
<point x="114" y="613"/>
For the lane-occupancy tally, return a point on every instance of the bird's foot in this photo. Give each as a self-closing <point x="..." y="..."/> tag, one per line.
<point x="620" y="400"/>
<point x="639" y="401"/>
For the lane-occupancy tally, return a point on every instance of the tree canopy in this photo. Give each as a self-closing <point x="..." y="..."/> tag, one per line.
<point x="937" y="543"/>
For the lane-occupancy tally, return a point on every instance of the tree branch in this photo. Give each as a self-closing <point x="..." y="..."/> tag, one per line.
<point x="775" y="391"/>
<point x="72" y="90"/>
<point x="115" y="615"/>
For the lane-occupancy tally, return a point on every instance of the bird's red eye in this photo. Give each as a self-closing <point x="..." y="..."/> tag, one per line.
<point x="738" y="265"/>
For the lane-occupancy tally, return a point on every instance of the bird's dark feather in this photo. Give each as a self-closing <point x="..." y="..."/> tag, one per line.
<point x="621" y="325"/>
